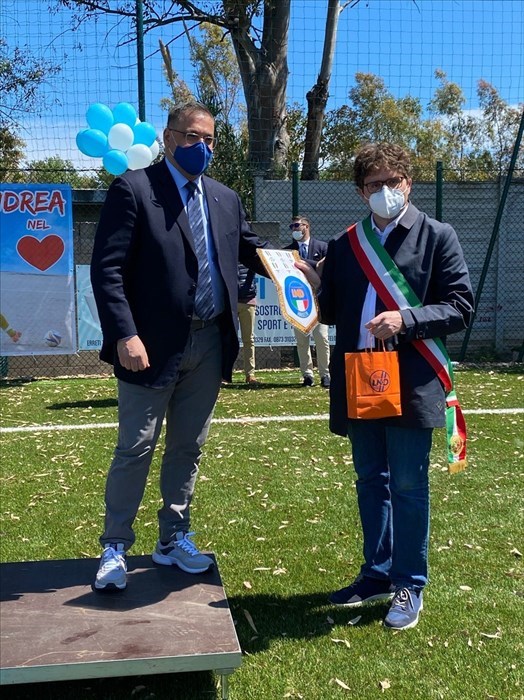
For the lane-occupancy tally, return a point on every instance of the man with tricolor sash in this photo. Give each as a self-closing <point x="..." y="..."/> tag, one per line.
<point x="397" y="277"/>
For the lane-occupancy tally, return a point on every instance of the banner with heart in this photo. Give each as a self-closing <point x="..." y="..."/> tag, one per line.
<point x="37" y="305"/>
<point x="41" y="254"/>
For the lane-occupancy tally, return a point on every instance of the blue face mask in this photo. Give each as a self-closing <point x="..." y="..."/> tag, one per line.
<point x="193" y="159"/>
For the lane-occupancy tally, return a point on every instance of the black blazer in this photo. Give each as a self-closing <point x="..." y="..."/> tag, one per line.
<point x="429" y="255"/>
<point x="315" y="252"/>
<point x="144" y="269"/>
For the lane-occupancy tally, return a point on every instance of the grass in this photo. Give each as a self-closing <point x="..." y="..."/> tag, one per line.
<point x="275" y="502"/>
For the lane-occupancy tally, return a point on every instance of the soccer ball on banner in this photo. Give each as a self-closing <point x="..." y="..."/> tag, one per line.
<point x="52" y="339"/>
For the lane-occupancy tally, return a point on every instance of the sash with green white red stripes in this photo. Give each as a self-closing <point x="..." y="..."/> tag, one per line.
<point x="395" y="293"/>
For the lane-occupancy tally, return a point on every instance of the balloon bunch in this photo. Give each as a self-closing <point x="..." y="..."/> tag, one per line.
<point x="118" y="137"/>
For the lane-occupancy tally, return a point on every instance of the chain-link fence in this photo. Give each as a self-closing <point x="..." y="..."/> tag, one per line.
<point x="460" y="89"/>
<point x="475" y="212"/>
<point x="470" y="207"/>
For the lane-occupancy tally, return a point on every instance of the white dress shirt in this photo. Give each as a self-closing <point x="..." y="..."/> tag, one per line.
<point x="365" y="338"/>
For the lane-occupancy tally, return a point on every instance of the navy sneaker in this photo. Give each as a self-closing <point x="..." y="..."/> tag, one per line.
<point x="405" y="609"/>
<point x="183" y="552"/>
<point x="364" y="589"/>
<point x="308" y="380"/>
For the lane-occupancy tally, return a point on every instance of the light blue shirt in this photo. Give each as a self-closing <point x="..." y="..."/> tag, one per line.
<point x="216" y="278"/>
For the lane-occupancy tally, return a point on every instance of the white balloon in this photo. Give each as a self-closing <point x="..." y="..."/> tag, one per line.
<point x="120" y="136"/>
<point x="155" y="148"/>
<point x="139" y="156"/>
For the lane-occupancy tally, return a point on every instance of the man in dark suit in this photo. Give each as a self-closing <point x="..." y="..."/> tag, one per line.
<point x="312" y="250"/>
<point x="391" y="455"/>
<point x="164" y="275"/>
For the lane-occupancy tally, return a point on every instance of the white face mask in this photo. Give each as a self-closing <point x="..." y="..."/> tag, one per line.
<point x="387" y="203"/>
<point x="298" y="234"/>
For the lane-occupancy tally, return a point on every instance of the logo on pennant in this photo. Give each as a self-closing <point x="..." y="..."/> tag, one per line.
<point x="298" y="297"/>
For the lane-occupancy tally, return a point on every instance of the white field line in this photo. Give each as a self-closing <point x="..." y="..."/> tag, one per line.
<point x="244" y="420"/>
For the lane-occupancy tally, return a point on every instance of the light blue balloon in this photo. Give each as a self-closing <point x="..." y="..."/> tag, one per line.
<point x="125" y="113"/>
<point x="92" y="142"/>
<point x="144" y="133"/>
<point x="115" y="162"/>
<point x="99" y="116"/>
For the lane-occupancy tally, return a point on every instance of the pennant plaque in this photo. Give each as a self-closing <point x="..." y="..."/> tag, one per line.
<point x="297" y="299"/>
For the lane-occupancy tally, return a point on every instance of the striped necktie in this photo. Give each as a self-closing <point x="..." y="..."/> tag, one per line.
<point x="302" y="249"/>
<point x="204" y="306"/>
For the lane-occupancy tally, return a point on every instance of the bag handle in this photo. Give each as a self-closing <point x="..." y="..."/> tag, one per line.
<point x="380" y="345"/>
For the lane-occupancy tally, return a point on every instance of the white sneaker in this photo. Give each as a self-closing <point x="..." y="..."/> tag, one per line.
<point x="182" y="552"/>
<point x="112" y="572"/>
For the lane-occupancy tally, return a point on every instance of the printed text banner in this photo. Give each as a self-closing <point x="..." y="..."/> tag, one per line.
<point x="271" y="329"/>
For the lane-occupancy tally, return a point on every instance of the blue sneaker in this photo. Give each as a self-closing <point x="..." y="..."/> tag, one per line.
<point x="364" y="589"/>
<point x="405" y="609"/>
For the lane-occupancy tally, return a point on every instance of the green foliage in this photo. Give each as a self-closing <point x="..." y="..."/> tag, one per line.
<point x="230" y="166"/>
<point x="296" y="127"/>
<point x="498" y="128"/>
<point x="11" y="155"/>
<point x="217" y="74"/>
<point x="471" y="146"/>
<point x="21" y="75"/>
<point x="56" y="170"/>
<point x="217" y="86"/>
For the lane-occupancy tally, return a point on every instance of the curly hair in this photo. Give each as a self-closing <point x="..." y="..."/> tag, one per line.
<point x="373" y="157"/>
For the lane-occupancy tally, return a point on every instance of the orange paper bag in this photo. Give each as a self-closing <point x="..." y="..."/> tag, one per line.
<point x="373" y="384"/>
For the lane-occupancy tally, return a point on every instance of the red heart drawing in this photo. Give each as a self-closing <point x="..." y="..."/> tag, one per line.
<point x="41" y="254"/>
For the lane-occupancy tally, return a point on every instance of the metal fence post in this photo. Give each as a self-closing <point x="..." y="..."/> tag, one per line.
<point x="439" y="183"/>
<point x="494" y="235"/>
<point x="140" y="60"/>
<point x="294" y="188"/>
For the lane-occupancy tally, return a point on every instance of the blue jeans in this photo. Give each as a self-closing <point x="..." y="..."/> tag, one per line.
<point x="393" y="499"/>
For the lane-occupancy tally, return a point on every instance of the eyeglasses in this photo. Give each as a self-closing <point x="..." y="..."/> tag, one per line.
<point x="296" y="224"/>
<point x="376" y="185"/>
<point x="191" y="138"/>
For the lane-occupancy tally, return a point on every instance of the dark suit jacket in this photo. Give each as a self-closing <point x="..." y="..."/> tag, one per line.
<point x="429" y="255"/>
<point x="144" y="269"/>
<point x="315" y="252"/>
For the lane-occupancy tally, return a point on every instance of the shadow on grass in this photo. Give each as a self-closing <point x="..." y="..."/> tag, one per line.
<point x="90" y="403"/>
<point x="496" y="367"/>
<point x="172" y="686"/>
<point x="19" y="381"/>
<point x="267" y="385"/>
<point x="293" y="617"/>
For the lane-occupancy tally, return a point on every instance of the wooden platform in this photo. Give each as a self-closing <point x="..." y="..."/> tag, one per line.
<point x="54" y="626"/>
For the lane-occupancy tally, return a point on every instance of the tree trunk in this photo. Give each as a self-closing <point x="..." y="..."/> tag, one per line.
<point x="264" y="73"/>
<point x="317" y="97"/>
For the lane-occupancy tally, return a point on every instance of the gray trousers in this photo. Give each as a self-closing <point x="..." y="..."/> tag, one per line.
<point x="187" y="405"/>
